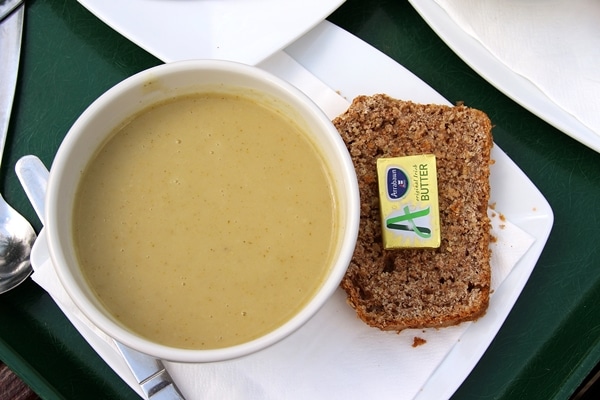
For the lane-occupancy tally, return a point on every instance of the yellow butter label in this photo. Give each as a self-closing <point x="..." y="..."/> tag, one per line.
<point x="408" y="197"/>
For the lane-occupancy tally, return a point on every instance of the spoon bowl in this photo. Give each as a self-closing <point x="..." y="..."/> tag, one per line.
<point x="16" y="238"/>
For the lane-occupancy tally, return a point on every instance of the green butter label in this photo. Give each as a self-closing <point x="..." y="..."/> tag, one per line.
<point x="409" y="201"/>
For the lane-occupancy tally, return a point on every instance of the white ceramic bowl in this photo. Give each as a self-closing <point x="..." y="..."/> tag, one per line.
<point x="135" y="94"/>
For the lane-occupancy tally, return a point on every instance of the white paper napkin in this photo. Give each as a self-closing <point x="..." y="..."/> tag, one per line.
<point x="553" y="43"/>
<point x="335" y="355"/>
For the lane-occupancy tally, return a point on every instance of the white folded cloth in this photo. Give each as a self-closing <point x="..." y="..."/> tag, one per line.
<point x="555" y="44"/>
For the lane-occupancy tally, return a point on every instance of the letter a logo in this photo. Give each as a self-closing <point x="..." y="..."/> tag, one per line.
<point x="409" y="223"/>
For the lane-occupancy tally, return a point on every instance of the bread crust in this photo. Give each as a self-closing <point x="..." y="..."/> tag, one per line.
<point x="419" y="288"/>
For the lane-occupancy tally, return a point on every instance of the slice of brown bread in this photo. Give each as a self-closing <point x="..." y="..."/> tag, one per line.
<point x="418" y="288"/>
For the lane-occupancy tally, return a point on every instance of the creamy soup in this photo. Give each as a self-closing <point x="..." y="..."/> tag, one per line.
<point x="205" y="221"/>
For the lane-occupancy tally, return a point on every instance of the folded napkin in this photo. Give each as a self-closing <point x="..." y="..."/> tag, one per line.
<point x="555" y="44"/>
<point x="335" y="355"/>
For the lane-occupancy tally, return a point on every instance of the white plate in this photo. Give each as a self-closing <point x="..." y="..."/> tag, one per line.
<point x="335" y="355"/>
<point x="503" y="78"/>
<point x="238" y="30"/>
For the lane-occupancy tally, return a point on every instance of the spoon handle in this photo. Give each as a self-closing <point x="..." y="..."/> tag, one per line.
<point x="33" y="175"/>
<point x="11" y="32"/>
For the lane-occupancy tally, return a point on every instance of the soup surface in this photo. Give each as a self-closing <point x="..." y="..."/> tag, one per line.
<point x="205" y="221"/>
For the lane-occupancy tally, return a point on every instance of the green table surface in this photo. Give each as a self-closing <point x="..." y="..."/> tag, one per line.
<point x="549" y="342"/>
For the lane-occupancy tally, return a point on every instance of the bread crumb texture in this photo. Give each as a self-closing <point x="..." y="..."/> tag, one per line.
<point x="419" y="288"/>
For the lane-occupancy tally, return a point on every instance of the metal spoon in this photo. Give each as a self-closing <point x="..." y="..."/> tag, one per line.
<point x="16" y="234"/>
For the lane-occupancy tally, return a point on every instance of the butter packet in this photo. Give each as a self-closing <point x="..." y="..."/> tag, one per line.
<point x="408" y="198"/>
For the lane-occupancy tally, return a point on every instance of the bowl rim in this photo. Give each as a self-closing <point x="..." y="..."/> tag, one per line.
<point x="348" y="188"/>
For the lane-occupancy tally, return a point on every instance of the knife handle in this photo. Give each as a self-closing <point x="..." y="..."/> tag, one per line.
<point x="150" y="373"/>
<point x="161" y="387"/>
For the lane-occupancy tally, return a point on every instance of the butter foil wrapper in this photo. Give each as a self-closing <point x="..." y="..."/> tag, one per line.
<point x="408" y="197"/>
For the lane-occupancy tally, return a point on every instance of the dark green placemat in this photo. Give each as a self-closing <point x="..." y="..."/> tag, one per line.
<point x="549" y="342"/>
